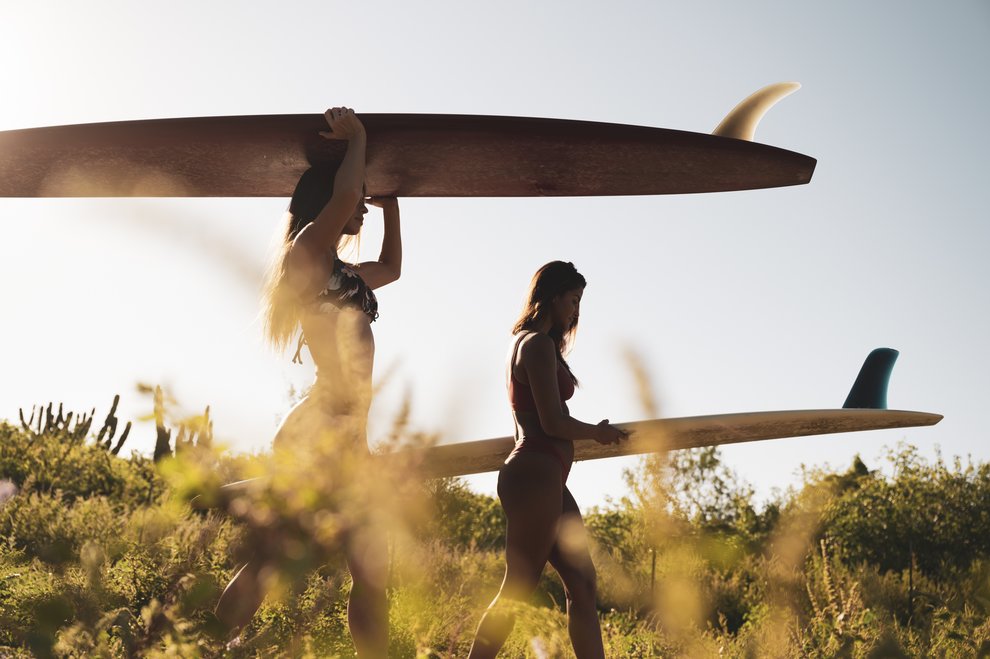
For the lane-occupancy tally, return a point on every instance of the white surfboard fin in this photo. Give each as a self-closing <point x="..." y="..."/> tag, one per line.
<point x="742" y="120"/>
<point x="869" y="391"/>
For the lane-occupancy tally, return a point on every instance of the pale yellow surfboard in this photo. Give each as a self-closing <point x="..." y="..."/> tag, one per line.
<point x="658" y="435"/>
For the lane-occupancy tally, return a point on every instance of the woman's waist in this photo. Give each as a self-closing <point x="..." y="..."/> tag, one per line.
<point x="540" y="441"/>
<point x="335" y="341"/>
<point x="341" y="392"/>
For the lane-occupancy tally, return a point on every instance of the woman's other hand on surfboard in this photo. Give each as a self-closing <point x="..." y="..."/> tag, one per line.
<point x="609" y="434"/>
<point x="382" y="202"/>
<point x="343" y="123"/>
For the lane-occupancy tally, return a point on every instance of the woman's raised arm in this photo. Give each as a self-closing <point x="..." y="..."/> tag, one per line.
<point x="388" y="267"/>
<point x="321" y="236"/>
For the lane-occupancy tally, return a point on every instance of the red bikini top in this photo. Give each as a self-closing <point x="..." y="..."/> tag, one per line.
<point x="520" y="393"/>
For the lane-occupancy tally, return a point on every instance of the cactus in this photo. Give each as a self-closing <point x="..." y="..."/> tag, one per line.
<point x="195" y="433"/>
<point x="74" y="427"/>
<point x="163" y="447"/>
<point x="109" y="429"/>
<point x="49" y="420"/>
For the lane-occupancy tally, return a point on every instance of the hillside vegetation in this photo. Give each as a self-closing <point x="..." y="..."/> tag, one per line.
<point x="103" y="556"/>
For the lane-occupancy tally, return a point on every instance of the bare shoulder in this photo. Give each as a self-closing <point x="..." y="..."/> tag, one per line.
<point x="303" y="263"/>
<point x="536" y="347"/>
<point x="302" y="251"/>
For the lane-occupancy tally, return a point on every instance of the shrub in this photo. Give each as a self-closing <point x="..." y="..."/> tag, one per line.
<point x="928" y="514"/>
<point x="100" y="556"/>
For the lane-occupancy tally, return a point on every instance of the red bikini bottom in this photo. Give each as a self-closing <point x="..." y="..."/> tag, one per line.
<point x="534" y="445"/>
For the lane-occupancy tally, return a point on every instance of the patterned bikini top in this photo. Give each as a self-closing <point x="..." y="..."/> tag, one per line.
<point x="344" y="289"/>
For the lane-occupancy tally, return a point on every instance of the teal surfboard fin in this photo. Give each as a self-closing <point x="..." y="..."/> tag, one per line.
<point x="869" y="391"/>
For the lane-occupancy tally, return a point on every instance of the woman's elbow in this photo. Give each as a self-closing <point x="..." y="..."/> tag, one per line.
<point x="392" y="272"/>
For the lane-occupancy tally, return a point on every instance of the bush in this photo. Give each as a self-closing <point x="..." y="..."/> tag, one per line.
<point x="46" y="527"/>
<point x="48" y="462"/>
<point x="928" y="514"/>
<point x="100" y="556"/>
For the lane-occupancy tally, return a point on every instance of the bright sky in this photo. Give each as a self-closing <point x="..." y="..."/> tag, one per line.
<point x="734" y="302"/>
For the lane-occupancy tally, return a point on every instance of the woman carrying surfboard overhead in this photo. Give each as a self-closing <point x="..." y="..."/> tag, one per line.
<point x="543" y="520"/>
<point x="333" y="302"/>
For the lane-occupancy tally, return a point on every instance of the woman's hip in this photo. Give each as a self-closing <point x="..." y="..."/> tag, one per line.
<point x="313" y="421"/>
<point x="527" y="476"/>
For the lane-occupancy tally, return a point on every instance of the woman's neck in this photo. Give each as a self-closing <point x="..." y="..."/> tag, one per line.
<point x="544" y="326"/>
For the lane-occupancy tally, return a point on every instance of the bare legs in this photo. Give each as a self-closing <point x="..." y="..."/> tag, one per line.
<point x="367" y="607"/>
<point x="366" y="548"/>
<point x="529" y="490"/>
<point x="543" y="524"/>
<point x="572" y="560"/>
<point x="241" y="598"/>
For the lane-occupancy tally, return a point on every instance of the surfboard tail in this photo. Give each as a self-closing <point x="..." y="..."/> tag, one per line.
<point x="869" y="391"/>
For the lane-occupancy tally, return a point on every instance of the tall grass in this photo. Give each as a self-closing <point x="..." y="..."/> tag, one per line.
<point x="112" y="556"/>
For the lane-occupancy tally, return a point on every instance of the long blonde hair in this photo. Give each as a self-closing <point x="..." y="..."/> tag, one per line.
<point x="282" y="308"/>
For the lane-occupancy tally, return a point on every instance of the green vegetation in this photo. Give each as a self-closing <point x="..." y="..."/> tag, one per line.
<point x="103" y="556"/>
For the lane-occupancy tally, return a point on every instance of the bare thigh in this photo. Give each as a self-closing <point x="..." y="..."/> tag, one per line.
<point x="367" y="557"/>
<point x="570" y="554"/>
<point x="530" y="491"/>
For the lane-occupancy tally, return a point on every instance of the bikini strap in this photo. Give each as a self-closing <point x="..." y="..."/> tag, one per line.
<point x="297" y="358"/>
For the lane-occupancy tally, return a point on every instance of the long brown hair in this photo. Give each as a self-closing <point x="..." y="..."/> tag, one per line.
<point x="550" y="282"/>
<point x="281" y="304"/>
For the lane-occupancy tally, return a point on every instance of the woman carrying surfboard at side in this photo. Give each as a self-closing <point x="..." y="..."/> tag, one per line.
<point x="332" y="301"/>
<point x="543" y="520"/>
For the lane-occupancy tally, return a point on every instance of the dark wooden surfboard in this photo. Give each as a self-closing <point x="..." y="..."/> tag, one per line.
<point x="409" y="155"/>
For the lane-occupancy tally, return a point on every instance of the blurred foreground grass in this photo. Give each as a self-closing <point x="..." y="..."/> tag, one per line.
<point x="102" y="556"/>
